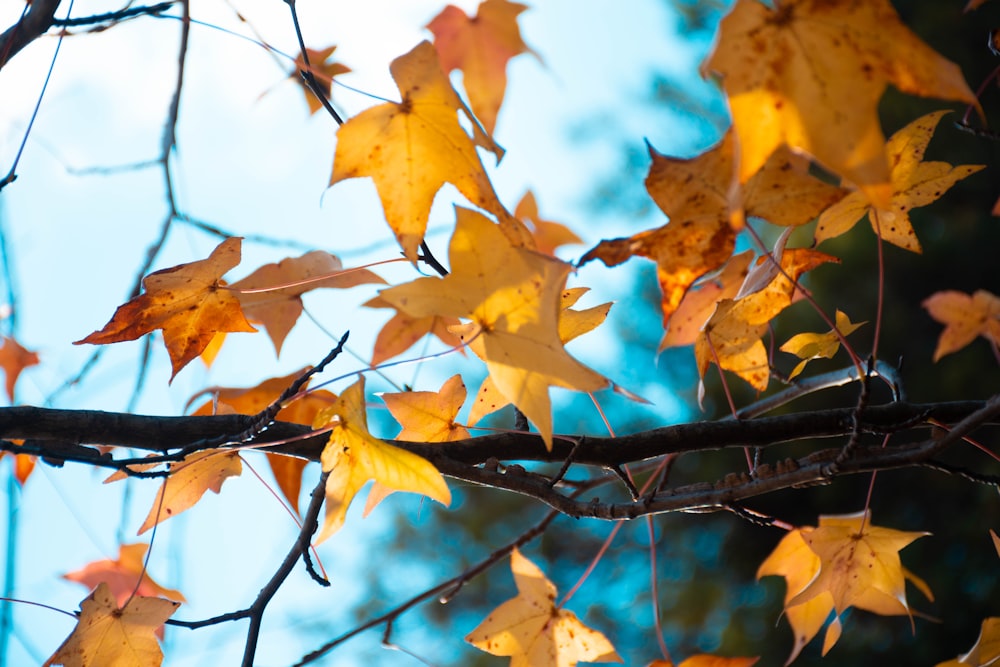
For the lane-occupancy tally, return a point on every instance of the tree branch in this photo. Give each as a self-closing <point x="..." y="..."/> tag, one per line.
<point x="32" y="25"/>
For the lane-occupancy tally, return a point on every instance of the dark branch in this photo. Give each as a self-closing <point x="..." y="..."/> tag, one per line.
<point x="32" y="25"/>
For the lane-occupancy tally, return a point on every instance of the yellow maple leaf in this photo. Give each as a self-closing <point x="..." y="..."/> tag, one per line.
<point x="118" y="637"/>
<point x="859" y="564"/>
<point x="187" y="482"/>
<point x="985" y="652"/>
<point x="512" y="296"/>
<point x="272" y="295"/>
<point x="732" y="336"/>
<point x="413" y="147"/>
<point x="429" y="416"/>
<point x="798" y="564"/>
<point x="533" y="631"/>
<point x="188" y="302"/>
<point x="809" y="346"/>
<point x="353" y="456"/>
<point x="810" y="74"/>
<point x="915" y="183"/>
<point x="964" y="317"/>
<point x="480" y="46"/>
<point x="572" y="323"/>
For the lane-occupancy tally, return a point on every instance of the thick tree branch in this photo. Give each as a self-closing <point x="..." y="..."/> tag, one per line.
<point x="32" y="25"/>
<point x="59" y="435"/>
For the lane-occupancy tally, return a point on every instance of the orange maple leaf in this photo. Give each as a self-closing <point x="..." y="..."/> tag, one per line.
<point x="548" y="235"/>
<point x="699" y="301"/>
<point x="402" y="331"/>
<point x="985" y="652"/>
<point x="23" y="464"/>
<point x="109" y="635"/>
<point x="429" y="416"/>
<point x="13" y="359"/>
<point x="353" y="456"/>
<point x="187" y="482"/>
<point x="272" y="295"/>
<point x="964" y="317"/>
<point x="915" y="183"/>
<point x="810" y="73"/>
<point x="697" y="196"/>
<point x="250" y="401"/>
<point x="533" y="631"/>
<point x="323" y="68"/>
<point x="188" y="302"/>
<point x="732" y="336"/>
<point x="512" y="296"/>
<point x="480" y="46"/>
<point x="413" y="147"/>
<point x="122" y="575"/>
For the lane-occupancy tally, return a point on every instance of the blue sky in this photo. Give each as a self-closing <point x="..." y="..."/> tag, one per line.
<point x="256" y="163"/>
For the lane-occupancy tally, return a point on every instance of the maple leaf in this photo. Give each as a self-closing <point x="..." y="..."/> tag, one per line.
<point x="798" y="564"/>
<point x="287" y="470"/>
<point x="323" y="68"/>
<point x="572" y="323"/>
<point x="429" y="416"/>
<point x="480" y="46"/>
<point x="533" y="631"/>
<point x="859" y="564"/>
<point x="810" y="74"/>
<point x="707" y="661"/>
<point x="964" y="317"/>
<point x="732" y="336"/>
<point x="402" y="331"/>
<point x="188" y="302"/>
<point x="915" y="183"/>
<point x="122" y="575"/>
<point x="697" y="196"/>
<point x="809" y="346"/>
<point x="109" y="635"/>
<point x="865" y="562"/>
<point x="272" y="295"/>
<point x="23" y="464"/>
<point x="413" y="147"/>
<point x="14" y="358"/>
<point x="699" y="302"/>
<point x="548" y="235"/>
<point x="985" y="652"/>
<point x="353" y="456"/>
<point x="187" y="482"/>
<point x="512" y="296"/>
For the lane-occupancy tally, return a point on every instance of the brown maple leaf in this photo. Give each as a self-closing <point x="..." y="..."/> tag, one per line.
<point x="188" y="302"/>
<point x="965" y="317"/>
<point x="272" y="295"/>
<point x="323" y="68"/>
